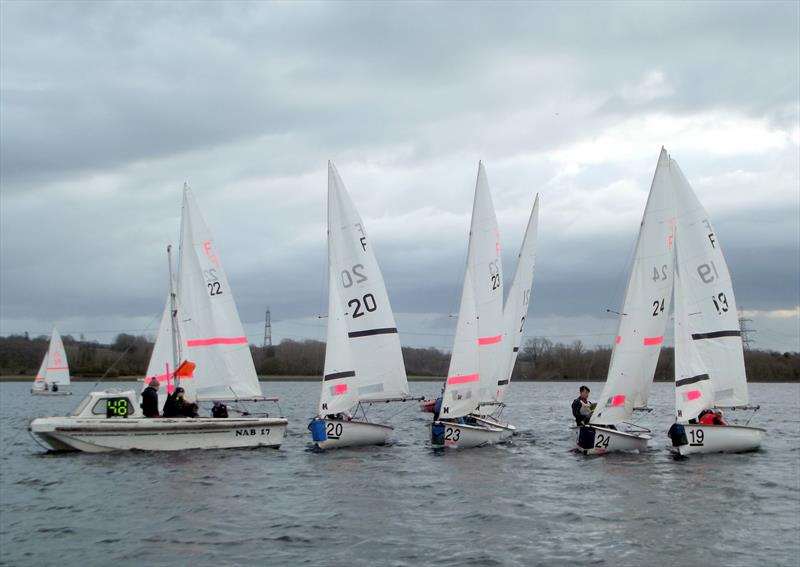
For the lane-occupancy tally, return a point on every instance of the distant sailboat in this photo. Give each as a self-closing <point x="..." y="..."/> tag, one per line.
<point x="201" y="323"/>
<point x="709" y="360"/>
<point x="476" y="362"/>
<point x="363" y="358"/>
<point x="515" y="314"/>
<point x="640" y="334"/>
<point x="53" y="373"/>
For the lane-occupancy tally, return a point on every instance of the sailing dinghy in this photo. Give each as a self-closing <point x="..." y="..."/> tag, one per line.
<point x="201" y="327"/>
<point x="53" y="371"/>
<point x="515" y="313"/>
<point x="476" y="362"/>
<point x="363" y="359"/>
<point x="640" y="333"/>
<point x="709" y="360"/>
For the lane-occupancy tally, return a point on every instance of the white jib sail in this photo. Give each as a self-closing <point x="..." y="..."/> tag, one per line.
<point x="645" y="309"/>
<point x="162" y="362"/>
<point x="339" y="384"/>
<point x="462" y="388"/>
<point x="369" y="325"/>
<point x="709" y="290"/>
<point x="693" y="388"/>
<point x="54" y="368"/>
<point x="211" y="332"/>
<point x="515" y="311"/>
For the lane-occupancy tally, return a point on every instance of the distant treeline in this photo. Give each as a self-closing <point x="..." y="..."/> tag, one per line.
<point x="539" y="359"/>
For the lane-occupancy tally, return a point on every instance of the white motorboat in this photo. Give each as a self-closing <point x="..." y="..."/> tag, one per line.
<point x="200" y="321"/>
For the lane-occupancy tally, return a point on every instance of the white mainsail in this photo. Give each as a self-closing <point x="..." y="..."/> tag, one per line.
<point x="645" y="309"/>
<point x="468" y="385"/>
<point x="714" y="321"/>
<point x="693" y="388"/>
<point x="210" y="332"/>
<point x="515" y="311"/>
<point x="54" y="368"/>
<point x="363" y="358"/>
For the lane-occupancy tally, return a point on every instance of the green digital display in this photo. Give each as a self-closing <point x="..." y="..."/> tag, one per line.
<point x="117" y="407"/>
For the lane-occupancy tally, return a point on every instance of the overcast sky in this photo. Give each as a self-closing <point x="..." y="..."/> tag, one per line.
<point x="107" y="108"/>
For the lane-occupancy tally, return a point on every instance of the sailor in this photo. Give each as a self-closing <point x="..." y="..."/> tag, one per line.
<point x="437" y="407"/>
<point x="46" y="387"/>
<point x="711" y="417"/>
<point x="582" y="407"/>
<point x="55" y="387"/>
<point x="149" y="403"/>
<point x="177" y="406"/>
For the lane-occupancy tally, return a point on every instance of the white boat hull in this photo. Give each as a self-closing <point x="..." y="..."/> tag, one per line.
<point x="508" y="429"/>
<point x="720" y="439"/>
<point x="95" y="435"/>
<point x="50" y="393"/>
<point x="342" y="433"/>
<point x="611" y="440"/>
<point x="462" y="436"/>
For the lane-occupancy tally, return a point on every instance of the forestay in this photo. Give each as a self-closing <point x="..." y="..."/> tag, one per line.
<point x="363" y="350"/>
<point x="515" y="311"/>
<point x="645" y="308"/>
<point x="714" y="321"/>
<point x="467" y="386"/>
<point x="693" y="389"/>
<point x="54" y="368"/>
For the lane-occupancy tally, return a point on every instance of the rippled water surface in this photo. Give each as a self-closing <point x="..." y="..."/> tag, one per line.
<point x="529" y="503"/>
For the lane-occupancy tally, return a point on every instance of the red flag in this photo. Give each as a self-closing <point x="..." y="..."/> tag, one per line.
<point x="186" y="369"/>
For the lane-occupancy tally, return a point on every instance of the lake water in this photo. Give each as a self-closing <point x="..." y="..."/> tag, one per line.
<point x="532" y="502"/>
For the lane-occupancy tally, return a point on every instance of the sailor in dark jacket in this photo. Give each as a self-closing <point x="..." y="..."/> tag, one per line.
<point x="177" y="406"/>
<point x="149" y="403"/>
<point x="581" y="407"/>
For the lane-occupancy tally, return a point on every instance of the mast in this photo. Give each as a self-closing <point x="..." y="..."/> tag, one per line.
<point x="173" y="307"/>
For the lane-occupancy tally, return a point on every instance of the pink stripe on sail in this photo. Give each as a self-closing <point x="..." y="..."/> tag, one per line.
<point x="619" y="339"/>
<point x="490" y="340"/>
<point x="57" y="368"/>
<point x="650" y="341"/>
<point x="217" y="341"/>
<point x="464" y="379"/>
<point x="692" y="395"/>
<point x="339" y="389"/>
<point x="617" y="401"/>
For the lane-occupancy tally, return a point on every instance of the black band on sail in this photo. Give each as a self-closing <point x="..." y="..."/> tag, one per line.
<point x="502" y="382"/>
<point x="716" y="335"/>
<point x="336" y="375"/>
<point x="516" y="349"/>
<point x="369" y="332"/>
<point x="692" y="380"/>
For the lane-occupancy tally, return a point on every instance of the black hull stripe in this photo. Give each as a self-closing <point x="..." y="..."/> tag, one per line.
<point x="370" y="332"/>
<point x="337" y="375"/>
<point x="716" y="335"/>
<point x="692" y="380"/>
<point x="502" y="382"/>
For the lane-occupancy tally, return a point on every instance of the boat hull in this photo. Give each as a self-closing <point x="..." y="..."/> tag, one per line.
<point x="342" y="433"/>
<point x="156" y="434"/>
<point x="719" y="439"/>
<point x="463" y="436"/>
<point x="597" y="440"/>
<point x="50" y="393"/>
<point x="508" y="429"/>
